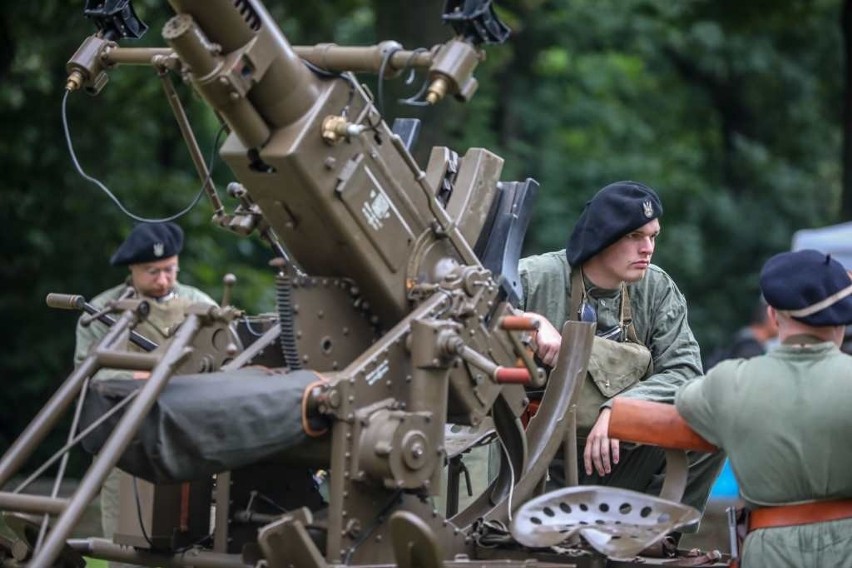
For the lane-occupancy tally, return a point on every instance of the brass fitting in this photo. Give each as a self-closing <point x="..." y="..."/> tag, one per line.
<point x="74" y="81"/>
<point x="336" y="128"/>
<point x="86" y="69"/>
<point x="451" y="71"/>
<point x="437" y="90"/>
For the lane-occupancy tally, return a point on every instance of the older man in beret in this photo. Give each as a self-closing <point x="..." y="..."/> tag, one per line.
<point x="605" y="276"/>
<point x="784" y="418"/>
<point x="150" y="252"/>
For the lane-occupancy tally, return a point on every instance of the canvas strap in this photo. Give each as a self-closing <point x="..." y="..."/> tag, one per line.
<point x="578" y="292"/>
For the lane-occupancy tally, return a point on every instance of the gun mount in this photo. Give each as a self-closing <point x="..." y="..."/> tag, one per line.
<point x="395" y="320"/>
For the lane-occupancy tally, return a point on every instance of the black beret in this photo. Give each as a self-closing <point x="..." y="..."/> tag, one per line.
<point x="813" y="287"/>
<point x="149" y="242"/>
<point x="614" y="211"/>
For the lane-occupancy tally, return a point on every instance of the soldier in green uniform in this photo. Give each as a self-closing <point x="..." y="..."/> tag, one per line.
<point x="783" y="418"/>
<point x="644" y="346"/>
<point x="150" y="252"/>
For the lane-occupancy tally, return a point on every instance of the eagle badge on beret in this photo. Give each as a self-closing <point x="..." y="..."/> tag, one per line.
<point x="148" y="242"/>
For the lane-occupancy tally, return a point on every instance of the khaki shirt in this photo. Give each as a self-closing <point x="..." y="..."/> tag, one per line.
<point x="659" y="317"/>
<point x="161" y="323"/>
<point x="784" y="420"/>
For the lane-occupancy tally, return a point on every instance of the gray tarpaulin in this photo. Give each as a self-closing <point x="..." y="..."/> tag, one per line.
<point x="204" y="424"/>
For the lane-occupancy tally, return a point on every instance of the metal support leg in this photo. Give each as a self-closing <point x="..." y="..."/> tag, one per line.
<point x="116" y="444"/>
<point x="50" y="414"/>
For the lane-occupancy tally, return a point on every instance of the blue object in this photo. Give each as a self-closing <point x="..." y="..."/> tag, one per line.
<point x="726" y="484"/>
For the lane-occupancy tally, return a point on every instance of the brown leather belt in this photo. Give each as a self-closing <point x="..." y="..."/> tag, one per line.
<point x="802" y="514"/>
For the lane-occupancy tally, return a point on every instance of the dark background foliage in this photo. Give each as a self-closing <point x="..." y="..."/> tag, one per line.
<point x="737" y="112"/>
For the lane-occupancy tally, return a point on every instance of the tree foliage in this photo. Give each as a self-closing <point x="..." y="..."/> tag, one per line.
<point x="734" y="111"/>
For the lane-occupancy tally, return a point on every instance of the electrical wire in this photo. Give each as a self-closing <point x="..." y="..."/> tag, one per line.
<point x="380" y="518"/>
<point x="112" y="196"/>
<point x="139" y="514"/>
<point x="512" y="478"/>
<point x="382" y="67"/>
<point x="417" y="98"/>
<point x="261" y="497"/>
<point x="250" y="328"/>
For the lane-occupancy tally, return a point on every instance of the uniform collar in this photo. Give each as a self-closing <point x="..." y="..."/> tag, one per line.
<point x="802" y="340"/>
<point x="596" y="291"/>
<point x="164" y="299"/>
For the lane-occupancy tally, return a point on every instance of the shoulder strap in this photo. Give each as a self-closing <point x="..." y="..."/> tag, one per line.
<point x="577" y="287"/>
<point x="627" y="315"/>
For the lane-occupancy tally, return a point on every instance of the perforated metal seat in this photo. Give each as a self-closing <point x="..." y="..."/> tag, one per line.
<point x="618" y="523"/>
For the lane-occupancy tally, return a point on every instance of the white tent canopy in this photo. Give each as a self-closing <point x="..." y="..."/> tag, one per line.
<point x="834" y="239"/>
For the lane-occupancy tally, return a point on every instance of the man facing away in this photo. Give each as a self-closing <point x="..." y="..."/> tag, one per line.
<point x="605" y="276"/>
<point x="150" y="252"/>
<point x="784" y="418"/>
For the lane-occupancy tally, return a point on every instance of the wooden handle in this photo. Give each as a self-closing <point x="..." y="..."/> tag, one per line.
<point x="653" y="423"/>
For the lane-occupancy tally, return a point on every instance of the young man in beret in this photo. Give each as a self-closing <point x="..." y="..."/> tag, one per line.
<point x="783" y="418"/>
<point x="150" y="252"/>
<point x="605" y="276"/>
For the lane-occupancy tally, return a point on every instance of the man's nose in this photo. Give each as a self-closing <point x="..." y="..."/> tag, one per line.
<point x="646" y="245"/>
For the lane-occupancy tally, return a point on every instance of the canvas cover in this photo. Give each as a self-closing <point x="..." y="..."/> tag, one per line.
<point x="204" y="424"/>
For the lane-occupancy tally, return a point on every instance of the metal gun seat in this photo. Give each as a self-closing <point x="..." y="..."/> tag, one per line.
<point x="616" y="522"/>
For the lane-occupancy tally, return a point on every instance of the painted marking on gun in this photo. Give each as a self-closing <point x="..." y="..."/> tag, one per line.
<point x="376" y="374"/>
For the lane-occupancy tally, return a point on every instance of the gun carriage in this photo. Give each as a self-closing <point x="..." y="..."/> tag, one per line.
<point x="394" y="327"/>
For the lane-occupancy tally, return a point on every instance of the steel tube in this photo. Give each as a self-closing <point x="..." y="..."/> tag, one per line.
<point x="104" y="549"/>
<point x="34" y="504"/>
<point x="118" y="441"/>
<point x="49" y="415"/>
<point x="126" y="360"/>
<point x="192" y="144"/>
<point x="134" y="55"/>
<point x="252" y="350"/>
<point x="366" y="59"/>
<point x="547" y="428"/>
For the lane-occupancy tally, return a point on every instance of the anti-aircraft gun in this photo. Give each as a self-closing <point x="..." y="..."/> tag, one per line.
<point x="395" y="287"/>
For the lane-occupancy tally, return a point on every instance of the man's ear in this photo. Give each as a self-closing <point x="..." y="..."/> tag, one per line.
<point x="772" y="313"/>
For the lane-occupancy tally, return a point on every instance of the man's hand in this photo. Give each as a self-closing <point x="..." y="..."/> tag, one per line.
<point x="547" y="340"/>
<point x="601" y="451"/>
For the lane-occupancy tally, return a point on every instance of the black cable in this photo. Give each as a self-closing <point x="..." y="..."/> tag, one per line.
<point x="139" y="515"/>
<point x="417" y="98"/>
<point x="325" y="73"/>
<point x="380" y="518"/>
<point x="109" y="194"/>
<point x="382" y="67"/>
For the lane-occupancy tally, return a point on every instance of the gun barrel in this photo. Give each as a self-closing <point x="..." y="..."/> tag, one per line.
<point x="253" y="63"/>
<point x="136" y="338"/>
<point x="78" y="302"/>
<point x="65" y="301"/>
